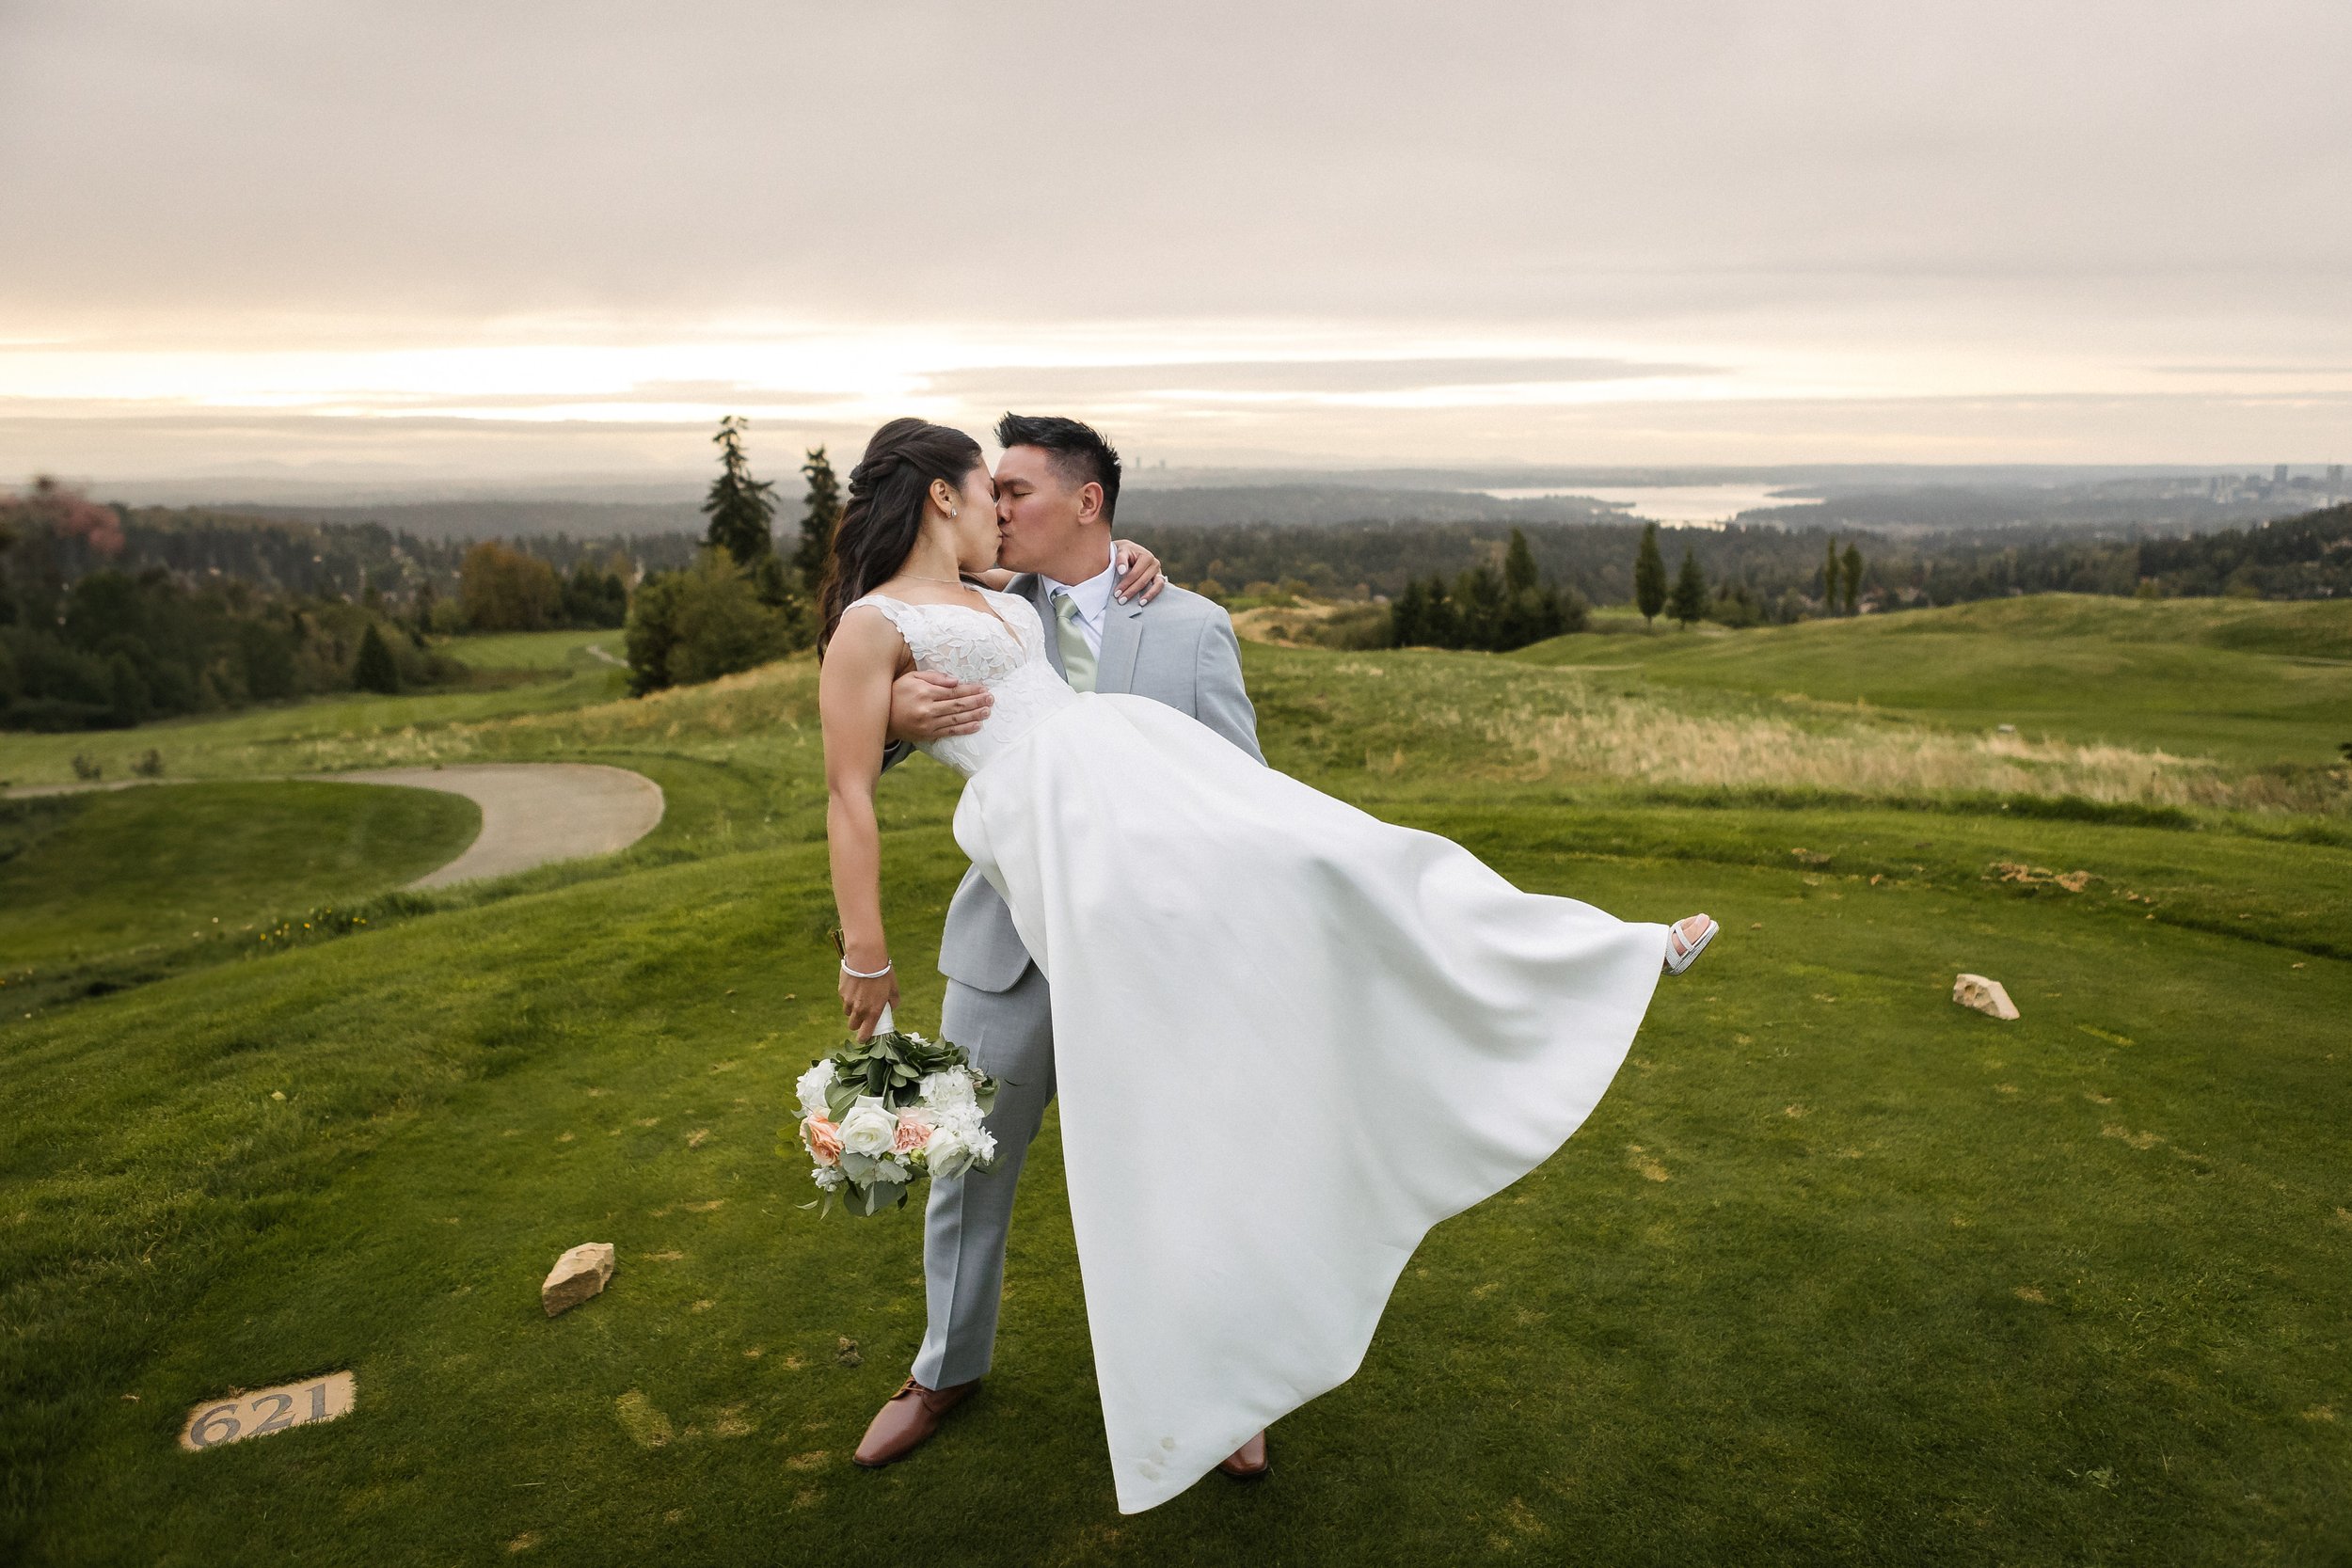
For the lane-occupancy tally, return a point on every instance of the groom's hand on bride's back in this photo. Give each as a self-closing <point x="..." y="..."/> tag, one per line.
<point x="926" y="706"/>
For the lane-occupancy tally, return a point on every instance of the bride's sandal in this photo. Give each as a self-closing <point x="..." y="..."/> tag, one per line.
<point x="1683" y="950"/>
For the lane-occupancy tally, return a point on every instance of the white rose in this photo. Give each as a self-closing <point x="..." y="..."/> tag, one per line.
<point x="948" y="1153"/>
<point x="868" y="1128"/>
<point x="812" y="1088"/>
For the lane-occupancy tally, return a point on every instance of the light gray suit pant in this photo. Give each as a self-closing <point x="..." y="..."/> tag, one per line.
<point x="1010" y="1035"/>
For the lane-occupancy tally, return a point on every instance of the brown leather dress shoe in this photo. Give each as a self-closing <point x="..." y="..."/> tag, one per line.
<point x="1249" y="1462"/>
<point x="913" y="1414"/>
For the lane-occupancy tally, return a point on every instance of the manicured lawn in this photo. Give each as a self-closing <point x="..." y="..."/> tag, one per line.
<point x="534" y="650"/>
<point x="1838" y="1272"/>
<point x="123" y="874"/>
<point x="301" y="738"/>
<point x="2253" y="682"/>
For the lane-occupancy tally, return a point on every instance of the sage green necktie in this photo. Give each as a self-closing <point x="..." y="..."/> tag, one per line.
<point x="1077" y="660"/>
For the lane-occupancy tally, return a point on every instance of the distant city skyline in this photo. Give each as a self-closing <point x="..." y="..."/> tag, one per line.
<point x="435" y="243"/>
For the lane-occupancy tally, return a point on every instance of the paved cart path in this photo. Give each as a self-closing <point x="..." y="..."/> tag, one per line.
<point x="533" y="812"/>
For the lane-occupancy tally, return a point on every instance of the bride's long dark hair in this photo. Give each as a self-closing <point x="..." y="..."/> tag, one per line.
<point x="884" y="511"/>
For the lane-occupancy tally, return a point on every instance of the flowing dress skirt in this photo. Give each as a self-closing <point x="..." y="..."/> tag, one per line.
<point x="1289" y="1038"/>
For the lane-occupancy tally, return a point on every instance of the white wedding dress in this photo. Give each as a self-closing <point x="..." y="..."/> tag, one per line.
<point x="1289" y="1038"/>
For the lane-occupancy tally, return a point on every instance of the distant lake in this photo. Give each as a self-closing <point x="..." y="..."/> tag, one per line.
<point x="1686" y="505"/>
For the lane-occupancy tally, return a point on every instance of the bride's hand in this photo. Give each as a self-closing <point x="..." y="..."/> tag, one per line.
<point x="863" y="1001"/>
<point x="1139" y="573"/>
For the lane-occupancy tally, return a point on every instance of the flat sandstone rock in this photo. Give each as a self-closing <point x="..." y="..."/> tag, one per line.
<point x="237" y="1417"/>
<point x="577" y="1276"/>
<point x="1986" y="996"/>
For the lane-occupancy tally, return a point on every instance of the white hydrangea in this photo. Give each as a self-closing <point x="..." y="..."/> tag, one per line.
<point x="945" y="1091"/>
<point x="827" y="1178"/>
<point x="812" y="1088"/>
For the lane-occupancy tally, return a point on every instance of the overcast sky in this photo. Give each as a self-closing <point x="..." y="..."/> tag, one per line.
<point x="509" y="239"/>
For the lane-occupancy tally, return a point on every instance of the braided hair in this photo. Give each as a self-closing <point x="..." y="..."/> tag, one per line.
<point x="884" y="514"/>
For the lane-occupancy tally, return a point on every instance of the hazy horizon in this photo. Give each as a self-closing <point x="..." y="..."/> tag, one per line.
<point x="433" y="245"/>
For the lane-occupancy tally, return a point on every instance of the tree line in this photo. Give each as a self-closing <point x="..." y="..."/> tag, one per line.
<point x="84" y="644"/>
<point x="741" y="603"/>
<point x="1755" y="574"/>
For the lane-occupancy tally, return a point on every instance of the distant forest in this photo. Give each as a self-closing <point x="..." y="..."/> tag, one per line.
<point x="110" y="615"/>
<point x="291" y="555"/>
<point x="1777" y="570"/>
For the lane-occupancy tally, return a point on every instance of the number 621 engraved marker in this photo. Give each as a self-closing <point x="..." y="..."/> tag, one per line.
<point x="251" y="1414"/>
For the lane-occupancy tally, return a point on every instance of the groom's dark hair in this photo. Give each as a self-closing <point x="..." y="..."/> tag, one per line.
<point x="1079" y="450"/>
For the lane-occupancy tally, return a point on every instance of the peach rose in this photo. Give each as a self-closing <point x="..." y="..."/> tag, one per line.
<point x="915" y="1130"/>
<point x="822" y="1138"/>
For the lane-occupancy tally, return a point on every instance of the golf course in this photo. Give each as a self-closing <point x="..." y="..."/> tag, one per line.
<point x="1839" y="1272"/>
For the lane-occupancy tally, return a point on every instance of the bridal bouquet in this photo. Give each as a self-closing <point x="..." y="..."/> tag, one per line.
<point x="879" y="1112"/>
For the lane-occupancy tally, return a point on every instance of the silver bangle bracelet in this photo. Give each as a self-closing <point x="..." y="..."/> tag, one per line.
<point x="861" y="975"/>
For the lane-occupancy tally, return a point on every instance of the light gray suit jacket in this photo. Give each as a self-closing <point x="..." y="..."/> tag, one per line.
<point x="1179" y="649"/>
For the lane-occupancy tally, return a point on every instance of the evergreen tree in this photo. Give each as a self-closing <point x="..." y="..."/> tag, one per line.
<point x="1408" y="616"/>
<point x="1854" y="578"/>
<point x="1519" y="564"/>
<point x="1649" y="577"/>
<point x="740" y="507"/>
<point x="820" y="517"/>
<point x="1829" y="578"/>
<point x="1689" y="603"/>
<point x="1478" y="607"/>
<point x="1442" y="625"/>
<point x="373" y="669"/>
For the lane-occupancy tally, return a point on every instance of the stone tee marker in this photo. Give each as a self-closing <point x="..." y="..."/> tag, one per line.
<point x="1986" y="996"/>
<point x="264" y="1410"/>
<point x="577" y="1276"/>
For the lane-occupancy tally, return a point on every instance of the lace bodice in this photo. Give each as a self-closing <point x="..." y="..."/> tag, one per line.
<point x="1003" y="652"/>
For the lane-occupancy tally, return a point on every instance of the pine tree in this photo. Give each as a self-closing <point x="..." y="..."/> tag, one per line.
<point x="740" y="507"/>
<point x="1519" y="564"/>
<point x="1854" y="578"/>
<point x="818" y="521"/>
<point x="373" y="669"/>
<point x="1689" y="603"/>
<point x="1405" y="614"/>
<point x="1649" y="577"/>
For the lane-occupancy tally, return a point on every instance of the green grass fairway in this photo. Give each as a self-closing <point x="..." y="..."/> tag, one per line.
<point x="304" y="738"/>
<point x="1838" y="1272"/>
<point x="535" y="650"/>
<point x="128" y="875"/>
<point x="2261" y="683"/>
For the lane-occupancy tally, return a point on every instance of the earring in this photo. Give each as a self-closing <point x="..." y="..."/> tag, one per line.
<point x="953" y="514"/>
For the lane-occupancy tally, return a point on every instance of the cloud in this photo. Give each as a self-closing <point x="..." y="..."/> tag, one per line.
<point x="1357" y="205"/>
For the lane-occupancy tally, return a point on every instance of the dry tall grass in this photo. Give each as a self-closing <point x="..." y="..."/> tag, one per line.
<point x="1581" y="732"/>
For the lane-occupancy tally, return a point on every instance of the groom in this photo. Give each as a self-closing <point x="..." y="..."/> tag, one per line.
<point x="1057" y="487"/>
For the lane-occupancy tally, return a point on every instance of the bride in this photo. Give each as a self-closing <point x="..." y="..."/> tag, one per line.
<point x="1289" y="1038"/>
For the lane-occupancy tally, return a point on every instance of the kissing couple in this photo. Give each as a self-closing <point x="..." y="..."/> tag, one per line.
<point x="1288" y="1037"/>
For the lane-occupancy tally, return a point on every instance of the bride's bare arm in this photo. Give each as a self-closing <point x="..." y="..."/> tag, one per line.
<point x="854" y="702"/>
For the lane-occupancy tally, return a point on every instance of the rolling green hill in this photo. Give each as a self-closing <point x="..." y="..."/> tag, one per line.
<point x="1838" y="1272"/>
<point x="2250" y="681"/>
